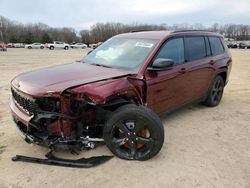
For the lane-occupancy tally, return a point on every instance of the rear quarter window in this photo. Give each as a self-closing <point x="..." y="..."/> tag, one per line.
<point x="216" y="45"/>
<point x="195" y="48"/>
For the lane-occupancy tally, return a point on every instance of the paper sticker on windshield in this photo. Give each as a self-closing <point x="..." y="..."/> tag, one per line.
<point x="144" y="44"/>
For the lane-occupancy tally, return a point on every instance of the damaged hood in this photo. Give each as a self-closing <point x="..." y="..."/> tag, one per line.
<point x="55" y="80"/>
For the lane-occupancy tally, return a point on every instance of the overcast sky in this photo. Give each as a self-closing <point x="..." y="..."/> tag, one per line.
<point x="81" y="14"/>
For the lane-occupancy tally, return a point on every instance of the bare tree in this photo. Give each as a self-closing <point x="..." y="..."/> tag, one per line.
<point x="11" y="31"/>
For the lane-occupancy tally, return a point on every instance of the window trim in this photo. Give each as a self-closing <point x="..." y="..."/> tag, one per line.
<point x="208" y="45"/>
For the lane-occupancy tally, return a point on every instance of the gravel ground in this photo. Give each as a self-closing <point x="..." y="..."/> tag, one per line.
<point x="204" y="147"/>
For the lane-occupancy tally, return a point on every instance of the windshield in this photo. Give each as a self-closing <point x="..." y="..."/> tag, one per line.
<point x="122" y="53"/>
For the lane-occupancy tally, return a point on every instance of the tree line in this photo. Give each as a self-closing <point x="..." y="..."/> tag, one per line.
<point x="11" y="31"/>
<point x="16" y="32"/>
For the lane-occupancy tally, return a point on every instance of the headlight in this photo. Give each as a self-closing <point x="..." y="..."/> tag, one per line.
<point x="49" y="104"/>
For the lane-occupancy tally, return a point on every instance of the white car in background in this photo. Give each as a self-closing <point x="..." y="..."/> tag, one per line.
<point x="57" y="44"/>
<point x="18" y="45"/>
<point x="35" y="45"/>
<point x="78" y="45"/>
<point x="93" y="46"/>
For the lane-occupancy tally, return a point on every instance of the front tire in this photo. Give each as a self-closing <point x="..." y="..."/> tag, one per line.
<point x="51" y="47"/>
<point x="216" y="92"/>
<point x="66" y="48"/>
<point x="134" y="133"/>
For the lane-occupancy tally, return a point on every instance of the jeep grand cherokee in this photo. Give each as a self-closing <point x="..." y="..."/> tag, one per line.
<point x="115" y="94"/>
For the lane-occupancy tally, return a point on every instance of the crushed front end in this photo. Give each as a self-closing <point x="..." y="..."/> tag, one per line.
<point x="64" y="120"/>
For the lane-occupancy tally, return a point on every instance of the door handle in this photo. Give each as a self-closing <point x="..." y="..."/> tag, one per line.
<point x="212" y="62"/>
<point x="182" y="70"/>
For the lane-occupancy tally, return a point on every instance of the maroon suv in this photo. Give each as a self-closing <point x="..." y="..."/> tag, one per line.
<point x="115" y="93"/>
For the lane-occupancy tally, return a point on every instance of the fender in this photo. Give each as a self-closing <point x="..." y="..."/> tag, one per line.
<point x="103" y="91"/>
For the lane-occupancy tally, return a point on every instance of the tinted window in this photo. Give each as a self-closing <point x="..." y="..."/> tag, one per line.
<point x="172" y="49"/>
<point x="195" y="48"/>
<point x="216" y="45"/>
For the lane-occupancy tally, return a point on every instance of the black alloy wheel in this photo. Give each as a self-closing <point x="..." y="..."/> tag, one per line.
<point x="216" y="92"/>
<point x="134" y="133"/>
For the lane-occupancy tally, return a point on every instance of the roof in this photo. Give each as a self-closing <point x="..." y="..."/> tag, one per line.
<point x="163" y="34"/>
<point x="146" y="34"/>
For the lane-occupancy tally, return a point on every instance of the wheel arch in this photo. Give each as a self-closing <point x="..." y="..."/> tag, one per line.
<point x="115" y="102"/>
<point x="223" y="75"/>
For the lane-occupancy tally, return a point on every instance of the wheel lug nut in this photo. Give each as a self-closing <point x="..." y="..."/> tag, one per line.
<point x="134" y="133"/>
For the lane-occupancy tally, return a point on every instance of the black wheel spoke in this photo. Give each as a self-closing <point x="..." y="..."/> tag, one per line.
<point x="214" y="91"/>
<point x="118" y="142"/>
<point x="214" y="95"/>
<point x="123" y="127"/>
<point x="217" y="84"/>
<point x="145" y="141"/>
<point x="132" y="150"/>
<point x="220" y="89"/>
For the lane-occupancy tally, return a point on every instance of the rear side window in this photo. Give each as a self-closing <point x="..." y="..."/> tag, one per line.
<point x="195" y="48"/>
<point x="216" y="45"/>
<point x="172" y="49"/>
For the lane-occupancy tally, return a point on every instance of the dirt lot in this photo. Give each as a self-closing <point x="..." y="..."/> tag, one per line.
<point x="204" y="147"/>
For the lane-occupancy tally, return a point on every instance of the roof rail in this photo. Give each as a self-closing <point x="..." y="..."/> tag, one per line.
<point x="190" y="30"/>
<point x="135" y="31"/>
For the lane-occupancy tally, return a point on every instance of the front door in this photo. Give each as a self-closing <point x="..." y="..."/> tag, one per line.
<point x="167" y="89"/>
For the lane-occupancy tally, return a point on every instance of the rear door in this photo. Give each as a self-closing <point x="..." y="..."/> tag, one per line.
<point x="198" y="65"/>
<point x="221" y="58"/>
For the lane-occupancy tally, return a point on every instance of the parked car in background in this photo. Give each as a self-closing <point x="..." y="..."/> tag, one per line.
<point x="10" y="45"/>
<point x="3" y="46"/>
<point x="78" y="45"/>
<point x="36" y="45"/>
<point x="93" y="46"/>
<point x="18" y="45"/>
<point x="232" y="44"/>
<point x="244" y="44"/>
<point x="57" y="44"/>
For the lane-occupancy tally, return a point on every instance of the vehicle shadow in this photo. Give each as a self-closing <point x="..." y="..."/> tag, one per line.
<point x="182" y="112"/>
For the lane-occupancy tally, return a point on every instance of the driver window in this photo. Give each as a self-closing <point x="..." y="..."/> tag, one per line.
<point x="172" y="49"/>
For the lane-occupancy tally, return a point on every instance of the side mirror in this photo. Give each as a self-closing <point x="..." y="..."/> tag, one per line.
<point x="161" y="64"/>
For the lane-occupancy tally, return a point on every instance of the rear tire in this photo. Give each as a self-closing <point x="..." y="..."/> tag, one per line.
<point x="51" y="47"/>
<point x="29" y="47"/>
<point x="66" y="48"/>
<point x="41" y="47"/>
<point x="216" y="92"/>
<point x="134" y="133"/>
